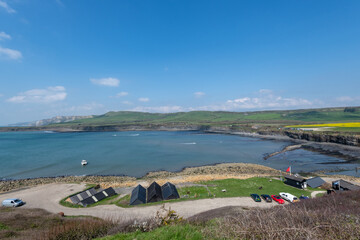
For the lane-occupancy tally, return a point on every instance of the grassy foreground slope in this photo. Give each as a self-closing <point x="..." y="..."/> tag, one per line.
<point x="324" y="115"/>
<point x="328" y="217"/>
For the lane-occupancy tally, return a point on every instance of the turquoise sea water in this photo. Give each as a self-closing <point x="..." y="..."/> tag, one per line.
<point x="41" y="154"/>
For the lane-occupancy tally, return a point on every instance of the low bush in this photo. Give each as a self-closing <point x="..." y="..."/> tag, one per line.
<point x="328" y="217"/>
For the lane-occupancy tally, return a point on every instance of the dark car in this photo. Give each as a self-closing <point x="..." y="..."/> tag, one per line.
<point x="266" y="197"/>
<point x="302" y="197"/>
<point x="255" y="197"/>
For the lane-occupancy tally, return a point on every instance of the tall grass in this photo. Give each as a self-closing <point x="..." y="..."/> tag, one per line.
<point x="327" y="217"/>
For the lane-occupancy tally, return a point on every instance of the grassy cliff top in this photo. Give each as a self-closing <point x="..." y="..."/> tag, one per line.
<point x="324" y="115"/>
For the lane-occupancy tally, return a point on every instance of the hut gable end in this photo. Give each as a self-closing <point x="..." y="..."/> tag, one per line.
<point x="169" y="191"/>
<point x="154" y="193"/>
<point x="138" y="195"/>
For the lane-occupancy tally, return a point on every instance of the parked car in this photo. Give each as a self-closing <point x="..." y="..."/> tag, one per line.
<point x="266" y="197"/>
<point x="12" y="202"/>
<point x="278" y="199"/>
<point x="289" y="197"/>
<point x="302" y="197"/>
<point x="255" y="197"/>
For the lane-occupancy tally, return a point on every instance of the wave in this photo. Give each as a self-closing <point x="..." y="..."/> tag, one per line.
<point x="114" y="135"/>
<point x="189" y="143"/>
<point x="134" y="135"/>
<point x="49" y="132"/>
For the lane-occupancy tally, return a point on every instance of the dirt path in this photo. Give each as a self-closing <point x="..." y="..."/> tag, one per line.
<point x="48" y="196"/>
<point x="313" y="194"/>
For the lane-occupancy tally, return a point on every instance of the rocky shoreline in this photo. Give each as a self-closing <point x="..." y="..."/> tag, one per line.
<point x="349" y="153"/>
<point x="186" y="175"/>
<point x="218" y="171"/>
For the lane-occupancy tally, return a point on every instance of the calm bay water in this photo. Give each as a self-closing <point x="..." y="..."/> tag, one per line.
<point x="41" y="154"/>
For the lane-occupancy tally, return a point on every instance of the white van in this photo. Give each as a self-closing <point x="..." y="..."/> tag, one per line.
<point x="12" y="202"/>
<point x="289" y="197"/>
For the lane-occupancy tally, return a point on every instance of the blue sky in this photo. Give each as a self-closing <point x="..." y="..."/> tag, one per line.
<point x="65" y="57"/>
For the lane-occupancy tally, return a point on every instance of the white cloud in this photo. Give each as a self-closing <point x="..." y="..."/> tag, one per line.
<point x="266" y="100"/>
<point x="10" y="53"/>
<point x="85" y="107"/>
<point x="265" y="91"/>
<point x="199" y="94"/>
<point x="58" y="109"/>
<point x="126" y="102"/>
<point x="4" y="36"/>
<point x="143" y="99"/>
<point x="109" y="82"/>
<point x="159" y="109"/>
<point x="7" y="7"/>
<point x="122" y="94"/>
<point x="48" y="95"/>
<point x="348" y="99"/>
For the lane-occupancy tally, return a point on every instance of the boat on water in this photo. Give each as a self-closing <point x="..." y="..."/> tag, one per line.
<point x="84" y="162"/>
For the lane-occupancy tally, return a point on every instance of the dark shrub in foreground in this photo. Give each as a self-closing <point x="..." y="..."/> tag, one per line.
<point x="328" y="217"/>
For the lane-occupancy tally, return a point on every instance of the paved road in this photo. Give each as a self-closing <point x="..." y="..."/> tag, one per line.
<point x="48" y="196"/>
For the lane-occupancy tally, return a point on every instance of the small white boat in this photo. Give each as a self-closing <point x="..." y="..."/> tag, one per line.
<point x="84" y="162"/>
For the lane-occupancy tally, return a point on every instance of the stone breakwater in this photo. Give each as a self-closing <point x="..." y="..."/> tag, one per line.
<point x="218" y="171"/>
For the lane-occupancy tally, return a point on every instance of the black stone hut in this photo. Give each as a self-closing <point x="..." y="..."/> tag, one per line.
<point x="315" y="182"/>
<point x="342" y="185"/>
<point x="82" y="195"/>
<point x="169" y="191"/>
<point x="154" y="193"/>
<point x="294" y="181"/>
<point x="98" y="196"/>
<point x="138" y="195"/>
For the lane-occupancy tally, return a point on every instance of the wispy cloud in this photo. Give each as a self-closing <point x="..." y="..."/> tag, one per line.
<point x="160" y="109"/>
<point x="144" y="99"/>
<point x="10" y="53"/>
<point x="199" y="94"/>
<point x="47" y="95"/>
<point x="75" y="110"/>
<point x="4" y="36"/>
<point x="126" y="102"/>
<point x="122" y="94"/>
<point x="6" y="7"/>
<point x="109" y="82"/>
<point x="347" y="99"/>
<point x="265" y="100"/>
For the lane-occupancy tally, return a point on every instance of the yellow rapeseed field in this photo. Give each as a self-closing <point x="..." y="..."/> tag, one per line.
<point x="353" y="124"/>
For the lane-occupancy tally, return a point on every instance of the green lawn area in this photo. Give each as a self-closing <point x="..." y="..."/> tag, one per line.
<point x="174" y="232"/>
<point x="245" y="187"/>
<point x="234" y="188"/>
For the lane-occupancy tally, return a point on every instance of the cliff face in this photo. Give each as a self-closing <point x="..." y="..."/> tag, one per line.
<point x="323" y="137"/>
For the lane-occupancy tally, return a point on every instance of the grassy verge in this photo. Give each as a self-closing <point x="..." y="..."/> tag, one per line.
<point x="174" y="232"/>
<point x="328" y="217"/>
<point x="233" y="187"/>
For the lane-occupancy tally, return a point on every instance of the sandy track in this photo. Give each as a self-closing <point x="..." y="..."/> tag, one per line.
<point x="48" y="196"/>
